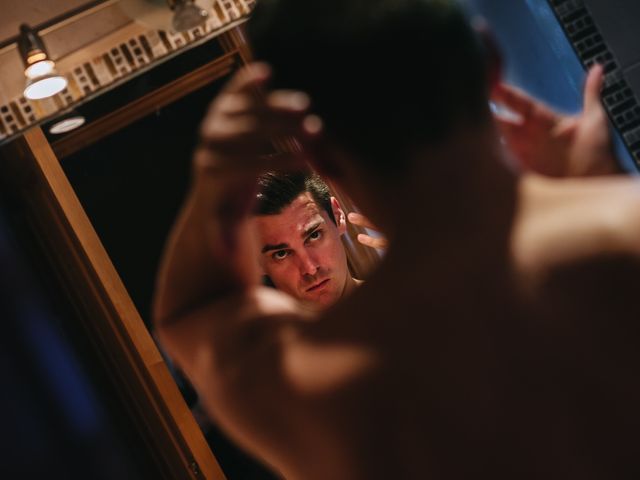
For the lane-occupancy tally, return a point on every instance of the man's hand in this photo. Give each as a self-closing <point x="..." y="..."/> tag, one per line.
<point x="559" y="145"/>
<point x="245" y="118"/>
<point x="236" y="142"/>
<point x="210" y="253"/>
<point x="361" y="221"/>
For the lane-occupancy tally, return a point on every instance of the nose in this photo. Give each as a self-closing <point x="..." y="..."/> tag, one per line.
<point x="307" y="264"/>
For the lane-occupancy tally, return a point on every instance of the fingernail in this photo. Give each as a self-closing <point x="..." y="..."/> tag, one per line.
<point x="299" y="101"/>
<point x="312" y="124"/>
<point x="261" y="69"/>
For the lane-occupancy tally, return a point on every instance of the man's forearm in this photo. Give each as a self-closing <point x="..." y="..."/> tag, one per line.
<point x="209" y="251"/>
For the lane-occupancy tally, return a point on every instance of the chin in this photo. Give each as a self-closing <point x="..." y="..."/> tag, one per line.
<point x="324" y="301"/>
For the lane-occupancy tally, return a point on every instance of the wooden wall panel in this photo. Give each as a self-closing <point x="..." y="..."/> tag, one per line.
<point x="105" y="309"/>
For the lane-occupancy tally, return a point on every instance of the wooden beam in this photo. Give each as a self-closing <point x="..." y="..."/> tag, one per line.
<point x="105" y="310"/>
<point x="145" y="105"/>
<point x="234" y="40"/>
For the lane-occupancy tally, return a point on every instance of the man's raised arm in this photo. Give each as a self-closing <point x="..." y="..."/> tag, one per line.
<point x="209" y="254"/>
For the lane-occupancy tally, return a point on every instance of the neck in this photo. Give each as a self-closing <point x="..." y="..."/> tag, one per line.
<point x="460" y="188"/>
<point x="350" y="284"/>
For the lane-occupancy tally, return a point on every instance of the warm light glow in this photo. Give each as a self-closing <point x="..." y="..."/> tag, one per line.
<point x="36" y="57"/>
<point x="44" y="87"/>
<point x="39" y="69"/>
<point x="67" y="124"/>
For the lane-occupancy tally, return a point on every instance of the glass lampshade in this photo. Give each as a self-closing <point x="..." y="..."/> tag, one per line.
<point x="44" y="86"/>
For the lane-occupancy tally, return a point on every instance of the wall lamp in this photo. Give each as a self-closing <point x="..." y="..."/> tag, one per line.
<point x="186" y="14"/>
<point x="42" y="78"/>
<point x="174" y="15"/>
<point x="69" y="121"/>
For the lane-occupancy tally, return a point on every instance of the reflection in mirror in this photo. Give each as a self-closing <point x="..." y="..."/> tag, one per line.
<point x="132" y="181"/>
<point x="131" y="169"/>
<point x="131" y="184"/>
<point x="141" y="95"/>
<point x="96" y="46"/>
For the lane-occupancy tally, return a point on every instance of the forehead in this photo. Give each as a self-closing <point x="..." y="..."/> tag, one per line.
<point x="292" y="221"/>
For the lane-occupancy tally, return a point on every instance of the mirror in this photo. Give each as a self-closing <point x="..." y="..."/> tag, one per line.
<point x="131" y="184"/>
<point x="102" y="202"/>
<point x="126" y="76"/>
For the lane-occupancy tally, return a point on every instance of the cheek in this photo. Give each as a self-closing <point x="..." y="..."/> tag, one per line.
<point x="262" y="265"/>
<point x="333" y="252"/>
<point x="280" y="274"/>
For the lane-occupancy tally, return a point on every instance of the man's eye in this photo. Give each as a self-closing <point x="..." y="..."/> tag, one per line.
<point x="280" y="254"/>
<point x="315" y="235"/>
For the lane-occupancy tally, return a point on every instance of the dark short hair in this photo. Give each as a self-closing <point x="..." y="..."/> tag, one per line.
<point x="386" y="76"/>
<point x="276" y="190"/>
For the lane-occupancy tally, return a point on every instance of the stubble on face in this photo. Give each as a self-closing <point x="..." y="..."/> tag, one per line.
<point x="290" y="229"/>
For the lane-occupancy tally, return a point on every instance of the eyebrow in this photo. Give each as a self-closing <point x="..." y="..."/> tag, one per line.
<point x="312" y="227"/>
<point x="281" y="246"/>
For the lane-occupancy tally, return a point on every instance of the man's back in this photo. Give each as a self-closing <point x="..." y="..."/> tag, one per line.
<point x="495" y="339"/>
<point x="516" y="362"/>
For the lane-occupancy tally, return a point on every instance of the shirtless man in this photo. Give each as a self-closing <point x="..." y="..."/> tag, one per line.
<point x="298" y="225"/>
<point x="498" y="337"/>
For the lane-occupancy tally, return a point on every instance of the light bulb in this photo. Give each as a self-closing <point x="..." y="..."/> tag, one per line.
<point x="67" y="124"/>
<point x="39" y="69"/>
<point x="45" y="86"/>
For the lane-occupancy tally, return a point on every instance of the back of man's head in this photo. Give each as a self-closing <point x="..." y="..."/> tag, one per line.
<point x="386" y="76"/>
<point x="276" y="191"/>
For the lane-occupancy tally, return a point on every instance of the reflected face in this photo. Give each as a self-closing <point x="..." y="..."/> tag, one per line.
<point x="301" y="251"/>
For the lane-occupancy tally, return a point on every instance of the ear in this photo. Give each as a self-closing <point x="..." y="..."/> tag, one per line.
<point x="338" y="214"/>
<point x="493" y="55"/>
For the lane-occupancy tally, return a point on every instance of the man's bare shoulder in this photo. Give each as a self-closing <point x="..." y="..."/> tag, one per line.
<point x="561" y="222"/>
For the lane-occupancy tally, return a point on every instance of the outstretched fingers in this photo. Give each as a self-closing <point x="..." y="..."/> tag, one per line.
<point x="365" y="239"/>
<point x="514" y="99"/>
<point x="360" y="220"/>
<point x="592" y="89"/>
<point x="369" y="241"/>
<point x="248" y="78"/>
<point x="246" y="117"/>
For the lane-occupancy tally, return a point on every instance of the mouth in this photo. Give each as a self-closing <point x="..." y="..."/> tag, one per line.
<point x="318" y="286"/>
